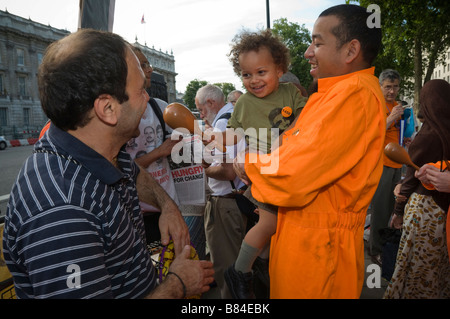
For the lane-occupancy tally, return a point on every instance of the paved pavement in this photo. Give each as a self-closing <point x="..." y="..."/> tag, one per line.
<point x="373" y="288"/>
<point x="374" y="285"/>
<point x="372" y="279"/>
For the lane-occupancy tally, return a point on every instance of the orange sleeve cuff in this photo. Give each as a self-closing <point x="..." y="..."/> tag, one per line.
<point x="437" y="165"/>
<point x="428" y="186"/>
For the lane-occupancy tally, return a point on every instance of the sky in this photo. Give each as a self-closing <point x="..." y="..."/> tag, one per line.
<point x="197" y="32"/>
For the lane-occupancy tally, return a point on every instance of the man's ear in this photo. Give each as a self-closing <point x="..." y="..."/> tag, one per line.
<point x="106" y="108"/>
<point x="353" y="51"/>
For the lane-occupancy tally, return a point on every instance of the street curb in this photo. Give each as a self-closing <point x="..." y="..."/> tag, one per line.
<point x="22" y="142"/>
<point x="4" y="198"/>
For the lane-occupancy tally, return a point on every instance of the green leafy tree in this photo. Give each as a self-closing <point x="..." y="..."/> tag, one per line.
<point x="415" y="38"/>
<point x="226" y="88"/>
<point x="191" y="91"/>
<point x="297" y="38"/>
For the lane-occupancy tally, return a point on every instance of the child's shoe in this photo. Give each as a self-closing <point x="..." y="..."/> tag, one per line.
<point x="240" y="284"/>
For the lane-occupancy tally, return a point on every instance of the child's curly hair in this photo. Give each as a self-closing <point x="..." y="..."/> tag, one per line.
<point x="252" y="41"/>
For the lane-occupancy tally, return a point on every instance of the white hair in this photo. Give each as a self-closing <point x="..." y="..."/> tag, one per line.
<point x="212" y="92"/>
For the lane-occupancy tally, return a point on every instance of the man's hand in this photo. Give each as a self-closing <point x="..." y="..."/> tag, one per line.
<point x="188" y="278"/>
<point x="172" y="225"/>
<point x="396" y="222"/>
<point x="396" y="113"/>
<point x="196" y="274"/>
<point x="165" y="149"/>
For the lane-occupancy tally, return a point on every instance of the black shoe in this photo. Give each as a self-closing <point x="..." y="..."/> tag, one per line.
<point x="240" y="284"/>
<point x="261" y="270"/>
<point x="377" y="259"/>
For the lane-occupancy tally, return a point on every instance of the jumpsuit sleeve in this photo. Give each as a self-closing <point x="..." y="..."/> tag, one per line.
<point x="329" y="139"/>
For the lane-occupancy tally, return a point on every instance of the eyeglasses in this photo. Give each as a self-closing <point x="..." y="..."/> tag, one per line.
<point x="146" y="65"/>
<point x="391" y="88"/>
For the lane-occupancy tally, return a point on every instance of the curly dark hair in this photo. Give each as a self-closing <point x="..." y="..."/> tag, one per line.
<point x="76" y="70"/>
<point x="253" y="41"/>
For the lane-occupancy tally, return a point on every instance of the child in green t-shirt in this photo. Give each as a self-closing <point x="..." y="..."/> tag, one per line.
<point x="260" y="59"/>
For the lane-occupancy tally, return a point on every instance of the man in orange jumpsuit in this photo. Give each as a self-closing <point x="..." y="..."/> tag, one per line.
<point x="329" y="164"/>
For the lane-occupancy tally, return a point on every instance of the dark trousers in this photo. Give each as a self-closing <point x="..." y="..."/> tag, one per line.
<point x="382" y="207"/>
<point x="151" y="223"/>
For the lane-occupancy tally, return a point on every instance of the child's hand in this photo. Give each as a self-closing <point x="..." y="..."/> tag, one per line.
<point x="208" y="136"/>
<point x="213" y="139"/>
<point x="399" y="198"/>
<point x="239" y="167"/>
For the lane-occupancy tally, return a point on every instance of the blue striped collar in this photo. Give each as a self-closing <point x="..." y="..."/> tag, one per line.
<point x="69" y="146"/>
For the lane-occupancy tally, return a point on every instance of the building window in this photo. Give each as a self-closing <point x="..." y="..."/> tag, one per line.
<point x="26" y="116"/>
<point x="2" y="86"/>
<point x="40" y="56"/>
<point x="3" y="116"/>
<point x="22" y="86"/>
<point x="20" y="57"/>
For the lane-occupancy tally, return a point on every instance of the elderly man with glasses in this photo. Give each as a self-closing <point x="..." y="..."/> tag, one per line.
<point x="383" y="201"/>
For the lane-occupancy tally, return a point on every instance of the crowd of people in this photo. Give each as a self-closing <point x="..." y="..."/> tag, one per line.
<point x="422" y="268"/>
<point x="286" y="202"/>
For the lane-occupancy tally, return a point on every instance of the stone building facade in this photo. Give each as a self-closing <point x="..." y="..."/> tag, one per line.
<point x="442" y="71"/>
<point x="163" y="71"/>
<point x="22" y="46"/>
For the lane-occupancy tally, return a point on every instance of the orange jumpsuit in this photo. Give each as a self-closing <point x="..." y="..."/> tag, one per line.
<point x="330" y="163"/>
<point x="392" y="135"/>
<point x="44" y="129"/>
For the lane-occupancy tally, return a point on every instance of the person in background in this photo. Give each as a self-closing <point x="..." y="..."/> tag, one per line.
<point x="292" y="78"/>
<point x="151" y="152"/>
<point x="233" y="96"/>
<point x="74" y="227"/>
<point x="383" y="201"/>
<point x="422" y="268"/>
<point x="437" y="176"/>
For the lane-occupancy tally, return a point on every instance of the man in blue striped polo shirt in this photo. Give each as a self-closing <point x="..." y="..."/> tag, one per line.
<point x="73" y="225"/>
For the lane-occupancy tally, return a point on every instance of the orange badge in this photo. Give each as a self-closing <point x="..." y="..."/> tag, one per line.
<point x="286" y="111"/>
